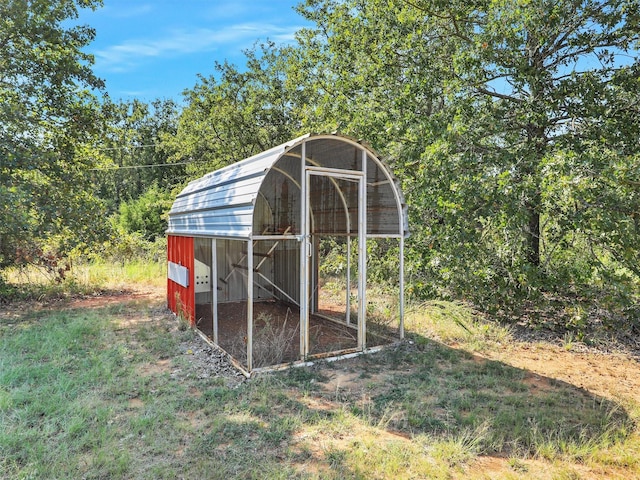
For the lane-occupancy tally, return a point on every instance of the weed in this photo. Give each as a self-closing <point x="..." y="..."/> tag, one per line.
<point x="272" y="341"/>
<point x="31" y="283"/>
<point x="453" y="322"/>
<point x="336" y="458"/>
<point x="305" y="379"/>
<point x="518" y="465"/>
<point x="182" y="314"/>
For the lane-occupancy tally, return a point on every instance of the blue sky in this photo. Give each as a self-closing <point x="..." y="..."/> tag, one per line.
<point x="154" y="48"/>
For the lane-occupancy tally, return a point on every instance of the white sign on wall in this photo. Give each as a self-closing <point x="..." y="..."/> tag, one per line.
<point x="178" y="274"/>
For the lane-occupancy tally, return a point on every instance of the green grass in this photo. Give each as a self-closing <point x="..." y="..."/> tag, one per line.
<point x="110" y="393"/>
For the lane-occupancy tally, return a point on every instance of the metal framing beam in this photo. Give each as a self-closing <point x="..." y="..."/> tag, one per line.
<point x="214" y="287"/>
<point x="304" y="263"/>
<point x="249" y="305"/>
<point x="362" y="255"/>
<point x="401" y="313"/>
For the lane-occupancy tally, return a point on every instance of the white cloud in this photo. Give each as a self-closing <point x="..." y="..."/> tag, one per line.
<point x="127" y="55"/>
<point x="227" y="10"/>
<point x="126" y="10"/>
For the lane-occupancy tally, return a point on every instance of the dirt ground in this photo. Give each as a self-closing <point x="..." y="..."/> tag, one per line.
<point x="277" y="332"/>
<point x="614" y="376"/>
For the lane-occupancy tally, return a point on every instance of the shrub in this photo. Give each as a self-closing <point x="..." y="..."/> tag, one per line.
<point x="146" y="215"/>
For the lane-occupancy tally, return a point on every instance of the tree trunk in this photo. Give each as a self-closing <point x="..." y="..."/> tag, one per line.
<point x="533" y="232"/>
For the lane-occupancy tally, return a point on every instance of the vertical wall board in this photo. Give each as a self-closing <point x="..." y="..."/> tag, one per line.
<point x="180" y="251"/>
<point x="286" y="270"/>
<point x="202" y="271"/>
<point x="232" y="270"/>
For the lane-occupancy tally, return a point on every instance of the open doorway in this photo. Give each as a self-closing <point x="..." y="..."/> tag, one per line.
<point x="336" y="277"/>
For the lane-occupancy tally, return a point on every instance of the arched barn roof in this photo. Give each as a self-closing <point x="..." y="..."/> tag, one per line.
<point x="261" y="195"/>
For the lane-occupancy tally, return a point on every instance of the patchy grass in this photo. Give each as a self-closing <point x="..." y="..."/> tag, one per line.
<point x="111" y="392"/>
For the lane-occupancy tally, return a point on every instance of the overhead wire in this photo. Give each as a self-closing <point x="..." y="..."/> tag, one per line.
<point x="125" y="147"/>
<point x="116" y="167"/>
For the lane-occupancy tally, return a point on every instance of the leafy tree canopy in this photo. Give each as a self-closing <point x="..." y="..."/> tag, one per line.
<point x="514" y="125"/>
<point x="235" y="114"/>
<point x="46" y="110"/>
<point x="147" y="214"/>
<point x="130" y="150"/>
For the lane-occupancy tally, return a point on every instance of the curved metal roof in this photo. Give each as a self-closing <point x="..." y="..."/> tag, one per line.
<point x="261" y="194"/>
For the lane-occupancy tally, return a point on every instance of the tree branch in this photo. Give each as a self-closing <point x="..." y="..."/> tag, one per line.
<point x="502" y="96"/>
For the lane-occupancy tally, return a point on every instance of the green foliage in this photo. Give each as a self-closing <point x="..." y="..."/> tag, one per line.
<point x="125" y="247"/>
<point x="145" y="215"/>
<point x="132" y="158"/>
<point x="513" y="130"/>
<point x="236" y="114"/>
<point x="47" y="113"/>
<point x="333" y="252"/>
<point x="382" y="259"/>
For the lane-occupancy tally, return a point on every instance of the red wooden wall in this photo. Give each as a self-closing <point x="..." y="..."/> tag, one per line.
<point x="180" y="251"/>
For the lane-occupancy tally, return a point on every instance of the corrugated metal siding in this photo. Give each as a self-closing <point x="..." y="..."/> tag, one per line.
<point x="232" y="222"/>
<point x="180" y="251"/>
<point x="202" y="253"/>
<point x="262" y="194"/>
<point x="221" y="203"/>
<point x="232" y="280"/>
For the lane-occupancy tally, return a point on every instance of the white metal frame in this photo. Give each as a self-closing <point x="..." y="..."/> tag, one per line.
<point x="214" y="287"/>
<point x="306" y="250"/>
<point x="309" y="168"/>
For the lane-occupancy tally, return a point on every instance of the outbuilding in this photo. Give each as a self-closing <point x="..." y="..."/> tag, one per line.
<point x="268" y="257"/>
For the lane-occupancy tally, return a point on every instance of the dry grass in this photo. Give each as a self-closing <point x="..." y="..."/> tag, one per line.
<point x="271" y="341"/>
